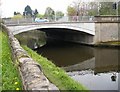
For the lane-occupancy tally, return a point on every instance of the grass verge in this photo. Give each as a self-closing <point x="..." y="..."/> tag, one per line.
<point x="10" y="75"/>
<point x="56" y="75"/>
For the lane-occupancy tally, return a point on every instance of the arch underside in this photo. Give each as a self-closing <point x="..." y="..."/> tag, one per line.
<point x="60" y="28"/>
<point x="67" y="34"/>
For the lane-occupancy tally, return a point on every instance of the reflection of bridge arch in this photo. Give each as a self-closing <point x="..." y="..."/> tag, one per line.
<point x="88" y="64"/>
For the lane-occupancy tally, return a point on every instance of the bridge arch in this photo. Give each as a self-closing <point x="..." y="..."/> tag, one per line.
<point x="88" y="28"/>
<point x="68" y="32"/>
<point x="55" y="27"/>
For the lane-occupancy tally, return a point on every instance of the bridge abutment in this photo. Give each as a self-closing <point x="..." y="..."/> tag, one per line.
<point x="107" y="29"/>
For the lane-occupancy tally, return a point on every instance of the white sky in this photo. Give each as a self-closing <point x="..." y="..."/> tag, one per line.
<point x="9" y="6"/>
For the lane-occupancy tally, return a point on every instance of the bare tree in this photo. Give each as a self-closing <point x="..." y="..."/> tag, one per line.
<point x="85" y="8"/>
<point x="77" y="5"/>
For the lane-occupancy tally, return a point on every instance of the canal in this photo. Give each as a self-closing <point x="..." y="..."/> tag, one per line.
<point x="94" y="67"/>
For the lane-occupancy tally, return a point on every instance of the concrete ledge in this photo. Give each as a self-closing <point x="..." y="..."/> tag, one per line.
<point x="31" y="73"/>
<point x="107" y="45"/>
<point x="107" y="19"/>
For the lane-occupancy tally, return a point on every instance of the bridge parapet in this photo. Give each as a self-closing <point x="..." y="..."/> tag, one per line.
<point x="63" y="19"/>
<point x="107" y="19"/>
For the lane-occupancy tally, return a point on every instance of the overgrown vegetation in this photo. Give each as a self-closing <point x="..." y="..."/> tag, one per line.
<point x="9" y="73"/>
<point x="56" y="75"/>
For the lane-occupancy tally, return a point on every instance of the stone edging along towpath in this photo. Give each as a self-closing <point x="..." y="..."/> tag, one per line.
<point x="30" y="71"/>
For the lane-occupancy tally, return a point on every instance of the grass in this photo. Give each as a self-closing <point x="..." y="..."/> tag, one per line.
<point x="55" y="74"/>
<point x="111" y="42"/>
<point x="0" y="61"/>
<point x="9" y="72"/>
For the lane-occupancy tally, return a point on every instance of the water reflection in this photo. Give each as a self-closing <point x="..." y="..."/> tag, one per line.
<point x="106" y="59"/>
<point x="64" y="54"/>
<point x="96" y="68"/>
<point x="100" y="81"/>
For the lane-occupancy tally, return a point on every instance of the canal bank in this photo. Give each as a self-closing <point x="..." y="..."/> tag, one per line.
<point x="31" y="72"/>
<point x="55" y="74"/>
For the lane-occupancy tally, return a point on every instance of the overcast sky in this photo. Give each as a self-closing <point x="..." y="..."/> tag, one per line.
<point x="9" y="6"/>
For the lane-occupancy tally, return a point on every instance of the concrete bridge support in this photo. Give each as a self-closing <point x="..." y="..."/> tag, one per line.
<point x="107" y="29"/>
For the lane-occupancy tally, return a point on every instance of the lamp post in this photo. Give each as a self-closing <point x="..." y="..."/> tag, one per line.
<point x="115" y="6"/>
<point x="55" y="16"/>
<point x="98" y="8"/>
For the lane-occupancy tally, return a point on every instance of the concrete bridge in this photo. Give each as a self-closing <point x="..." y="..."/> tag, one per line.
<point x="103" y="29"/>
<point x="68" y="31"/>
<point x="76" y="26"/>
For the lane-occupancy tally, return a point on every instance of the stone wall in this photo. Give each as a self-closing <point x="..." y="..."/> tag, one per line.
<point x="31" y="73"/>
<point x="107" y="29"/>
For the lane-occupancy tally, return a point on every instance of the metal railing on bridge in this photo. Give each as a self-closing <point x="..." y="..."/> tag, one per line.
<point x="63" y="19"/>
<point x="76" y="19"/>
<point x="18" y="21"/>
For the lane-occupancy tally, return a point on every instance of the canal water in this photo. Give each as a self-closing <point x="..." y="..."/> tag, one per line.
<point x="96" y="68"/>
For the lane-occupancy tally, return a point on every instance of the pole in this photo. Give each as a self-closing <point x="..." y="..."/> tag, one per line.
<point x="116" y="8"/>
<point x="55" y="16"/>
<point x="98" y="8"/>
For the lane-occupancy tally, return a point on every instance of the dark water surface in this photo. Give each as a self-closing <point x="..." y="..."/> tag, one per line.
<point x="96" y="68"/>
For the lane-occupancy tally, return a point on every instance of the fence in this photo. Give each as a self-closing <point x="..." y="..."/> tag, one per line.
<point x="76" y="19"/>
<point x="18" y="21"/>
<point x="63" y="19"/>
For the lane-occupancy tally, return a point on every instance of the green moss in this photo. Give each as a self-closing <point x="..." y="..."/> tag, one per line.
<point x="9" y="73"/>
<point x="111" y="42"/>
<point x="55" y="74"/>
